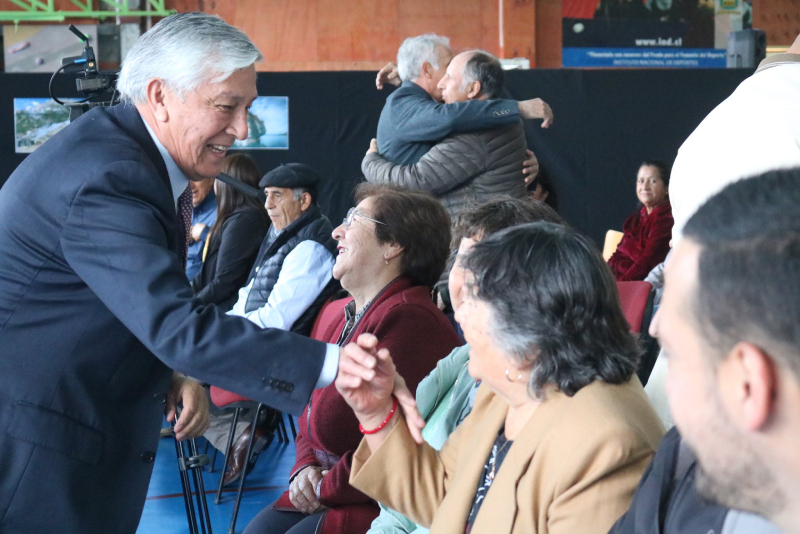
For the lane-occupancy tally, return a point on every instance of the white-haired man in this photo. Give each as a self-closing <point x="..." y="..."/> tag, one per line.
<point x="94" y="305"/>
<point x="413" y="119"/>
<point x="467" y="168"/>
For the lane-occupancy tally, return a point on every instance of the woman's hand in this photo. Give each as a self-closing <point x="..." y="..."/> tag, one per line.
<point x="367" y="380"/>
<point x="303" y="489"/>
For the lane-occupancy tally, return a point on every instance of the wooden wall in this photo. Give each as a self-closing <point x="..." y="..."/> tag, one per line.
<point x="307" y="35"/>
<point x="779" y="18"/>
<point x="365" y="34"/>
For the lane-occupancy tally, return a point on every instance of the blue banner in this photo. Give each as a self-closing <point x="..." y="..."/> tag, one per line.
<point x="700" y="58"/>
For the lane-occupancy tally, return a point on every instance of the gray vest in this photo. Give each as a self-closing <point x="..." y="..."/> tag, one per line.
<point x="312" y="225"/>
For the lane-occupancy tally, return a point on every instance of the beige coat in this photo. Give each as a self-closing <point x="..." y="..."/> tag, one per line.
<point x="572" y="469"/>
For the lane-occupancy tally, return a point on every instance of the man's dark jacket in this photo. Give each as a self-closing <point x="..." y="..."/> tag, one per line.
<point x="667" y="502"/>
<point x="311" y="226"/>
<point x="94" y="311"/>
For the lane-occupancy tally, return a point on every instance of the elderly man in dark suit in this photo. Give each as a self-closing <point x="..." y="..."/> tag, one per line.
<point x="95" y="309"/>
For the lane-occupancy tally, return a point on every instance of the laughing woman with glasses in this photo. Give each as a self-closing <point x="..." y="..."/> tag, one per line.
<point x="392" y="248"/>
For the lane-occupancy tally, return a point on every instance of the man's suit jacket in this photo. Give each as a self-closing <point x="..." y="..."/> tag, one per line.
<point x="412" y="122"/>
<point x="572" y="469"/>
<point x="94" y="311"/>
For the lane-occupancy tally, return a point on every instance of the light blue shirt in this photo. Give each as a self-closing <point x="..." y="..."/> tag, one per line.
<point x="304" y="274"/>
<point x="179" y="183"/>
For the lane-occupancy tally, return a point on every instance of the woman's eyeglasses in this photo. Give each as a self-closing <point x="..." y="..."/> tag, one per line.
<point x="353" y="213"/>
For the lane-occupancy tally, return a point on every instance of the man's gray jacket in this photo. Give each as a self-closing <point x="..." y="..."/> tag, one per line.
<point x="461" y="170"/>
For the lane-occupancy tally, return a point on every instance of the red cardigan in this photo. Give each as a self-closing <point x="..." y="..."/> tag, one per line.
<point x="645" y="243"/>
<point x="418" y="335"/>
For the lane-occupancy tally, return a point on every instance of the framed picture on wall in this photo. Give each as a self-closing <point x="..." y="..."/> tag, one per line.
<point x="267" y="124"/>
<point x="35" y="121"/>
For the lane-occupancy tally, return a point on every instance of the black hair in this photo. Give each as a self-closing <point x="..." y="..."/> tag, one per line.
<point x="748" y="278"/>
<point x="240" y="167"/>
<point x="500" y="213"/>
<point x="554" y="306"/>
<point x="664" y="169"/>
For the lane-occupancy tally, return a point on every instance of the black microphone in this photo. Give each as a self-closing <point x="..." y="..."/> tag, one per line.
<point x="243" y="187"/>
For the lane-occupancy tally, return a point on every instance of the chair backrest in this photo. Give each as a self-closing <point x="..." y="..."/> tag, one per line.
<point x="634" y="296"/>
<point x="612" y="241"/>
<point x="330" y="310"/>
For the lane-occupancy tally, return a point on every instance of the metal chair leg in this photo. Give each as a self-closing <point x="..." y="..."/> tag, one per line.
<point x="249" y="453"/>
<point x="187" y="490"/>
<point x="218" y="498"/>
<point x="282" y="429"/>
<point x="213" y="461"/>
<point x="291" y="423"/>
<point x="202" y="503"/>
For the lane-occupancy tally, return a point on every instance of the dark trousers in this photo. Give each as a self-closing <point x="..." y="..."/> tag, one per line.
<point x="269" y="521"/>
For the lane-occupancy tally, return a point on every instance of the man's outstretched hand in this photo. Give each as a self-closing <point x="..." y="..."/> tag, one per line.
<point x="388" y="74"/>
<point x="536" y="108"/>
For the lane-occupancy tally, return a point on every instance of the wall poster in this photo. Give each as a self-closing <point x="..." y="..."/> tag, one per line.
<point x="650" y="33"/>
<point x="267" y="124"/>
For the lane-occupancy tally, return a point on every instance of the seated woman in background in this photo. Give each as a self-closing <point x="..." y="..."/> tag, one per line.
<point x="445" y="397"/>
<point x="561" y="429"/>
<point x="234" y="240"/>
<point x="392" y="248"/>
<point x="646" y="233"/>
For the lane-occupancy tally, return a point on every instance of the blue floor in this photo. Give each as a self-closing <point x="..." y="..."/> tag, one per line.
<point x="165" y="512"/>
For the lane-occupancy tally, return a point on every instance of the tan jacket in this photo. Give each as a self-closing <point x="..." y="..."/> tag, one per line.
<point x="572" y="469"/>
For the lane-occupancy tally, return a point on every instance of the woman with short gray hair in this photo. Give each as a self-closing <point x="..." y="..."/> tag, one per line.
<point x="561" y="429"/>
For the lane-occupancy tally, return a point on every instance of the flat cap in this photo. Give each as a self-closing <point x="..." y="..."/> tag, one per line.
<point x="290" y="176"/>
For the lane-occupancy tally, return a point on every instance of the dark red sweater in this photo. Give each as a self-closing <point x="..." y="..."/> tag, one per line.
<point x="645" y="243"/>
<point x="418" y="335"/>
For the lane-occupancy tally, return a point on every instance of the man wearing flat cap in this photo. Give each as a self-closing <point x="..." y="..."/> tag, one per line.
<point x="289" y="282"/>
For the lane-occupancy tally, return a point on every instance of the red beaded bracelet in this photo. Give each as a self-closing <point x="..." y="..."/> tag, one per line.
<point x="380" y="426"/>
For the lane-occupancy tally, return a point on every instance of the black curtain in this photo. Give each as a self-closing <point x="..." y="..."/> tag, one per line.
<point x="606" y="123"/>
